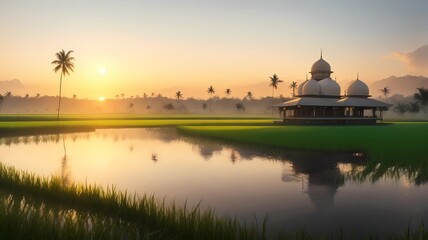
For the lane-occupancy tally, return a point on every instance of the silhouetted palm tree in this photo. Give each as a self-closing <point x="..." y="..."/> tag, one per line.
<point x="250" y="95"/>
<point x="74" y="96"/>
<point x="178" y="95"/>
<point x="293" y="86"/>
<point x="385" y="91"/>
<point x="37" y="95"/>
<point x="27" y="95"/>
<point x="401" y="108"/>
<point x="8" y="94"/>
<point x="123" y="95"/>
<point x="414" y="107"/>
<point x="64" y="64"/>
<point x="239" y="106"/>
<point x="228" y="92"/>
<point x="117" y="96"/>
<point x="1" y="101"/>
<point x="274" y="81"/>
<point x="421" y="97"/>
<point x="211" y="91"/>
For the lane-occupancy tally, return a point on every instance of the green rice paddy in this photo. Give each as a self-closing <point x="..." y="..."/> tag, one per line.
<point x="36" y="207"/>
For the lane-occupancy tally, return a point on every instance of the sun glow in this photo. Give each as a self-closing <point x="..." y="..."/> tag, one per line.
<point x="101" y="99"/>
<point x="102" y="70"/>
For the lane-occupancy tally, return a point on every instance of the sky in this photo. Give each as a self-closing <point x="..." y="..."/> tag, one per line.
<point x="163" y="46"/>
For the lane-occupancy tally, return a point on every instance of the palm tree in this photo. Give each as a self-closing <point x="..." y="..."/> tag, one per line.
<point x="421" y="97"/>
<point x="249" y="95"/>
<point x="385" y="91"/>
<point x="401" y="108"/>
<point x="293" y="86"/>
<point x="1" y="101"/>
<point x="228" y="92"/>
<point x="27" y="95"/>
<point x="8" y="94"/>
<point x="211" y="91"/>
<point x="239" y="106"/>
<point x="123" y="95"/>
<point x="74" y="96"/>
<point x="117" y="96"/>
<point x="274" y="81"/>
<point x="178" y="95"/>
<point x="37" y="95"/>
<point x="63" y="63"/>
<point x="414" y="107"/>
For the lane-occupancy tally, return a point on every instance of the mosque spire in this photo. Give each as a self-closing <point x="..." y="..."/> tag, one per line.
<point x="357" y="76"/>
<point x="321" y="54"/>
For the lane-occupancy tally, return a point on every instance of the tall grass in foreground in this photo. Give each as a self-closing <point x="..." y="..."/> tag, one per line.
<point x="43" y="208"/>
<point x="170" y="222"/>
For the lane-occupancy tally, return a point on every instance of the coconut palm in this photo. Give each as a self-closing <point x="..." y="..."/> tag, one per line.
<point x="385" y="91"/>
<point x="37" y="95"/>
<point x="123" y="95"/>
<point x="1" y="101"/>
<point x="239" y="106"/>
<point x="421" y="97"/>
<point x="8" y="94"/>
<point x="117" y="96"/>
<point x="64" y="64"/>
<point x="228" y="92"/>
<point x="414" y="107"/>
<point x="74" y="96"/>
<point x="274" y="81"/>
<point x="250" y="95"/>
<point x="178" y="95"/>
<point x="211" y="91"/>
<point x="401" y="108"/>
<point x="293" y="86"/>
<point x="27" y="95"/>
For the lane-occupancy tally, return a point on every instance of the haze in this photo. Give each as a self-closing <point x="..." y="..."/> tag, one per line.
<point x="137" y="47"/>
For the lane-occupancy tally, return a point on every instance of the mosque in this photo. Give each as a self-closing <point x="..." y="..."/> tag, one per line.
<point x="319" y="101"/>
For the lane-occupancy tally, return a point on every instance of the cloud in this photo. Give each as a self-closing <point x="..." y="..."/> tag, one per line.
<point x="417" y="60"/>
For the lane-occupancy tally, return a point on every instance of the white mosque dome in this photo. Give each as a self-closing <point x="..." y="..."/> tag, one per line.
<point x="300" y="88"/>
<point x="311" y="88"/>
<point x="329" y="87"/>
<point x="358" y="88"/>
<point x="321" y="66"/>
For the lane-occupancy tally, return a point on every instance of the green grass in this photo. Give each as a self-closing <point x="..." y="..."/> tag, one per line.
<point x="397" y="147"/>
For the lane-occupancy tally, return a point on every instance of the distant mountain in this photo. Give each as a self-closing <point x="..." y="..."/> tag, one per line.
<point x="13" y="86"/>
<point x="405" y="85"/>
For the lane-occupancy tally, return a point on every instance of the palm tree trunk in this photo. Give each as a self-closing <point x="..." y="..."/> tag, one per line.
<point x="59" y="99"/>
<point x="272" y="101"/>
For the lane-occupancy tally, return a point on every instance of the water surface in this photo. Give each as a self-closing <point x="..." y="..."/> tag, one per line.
<point x="298" y="190"/>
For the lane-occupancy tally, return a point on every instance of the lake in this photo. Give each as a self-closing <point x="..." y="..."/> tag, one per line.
<point x="309" y="191"/>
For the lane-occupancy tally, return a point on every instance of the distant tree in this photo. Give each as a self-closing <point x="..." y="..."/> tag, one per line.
<point x="27" y="96"/>
<point x="8" y="94"/>
<point x="385" y="91"/>
<point x="145" y="95"/>
<point x="37" y="95"/>
<point x="421" y="97"/>
<point x="169" y="106"/>
<point x="414" y="107"/>
<point x="74" y="96"/>
<point x="293" y="86"/>
<point x="239" y="106"/>
<point x="159" y="95"/>
<point x="274" y="81"/>
<point x="178" y="95"/>
<point x="123" y="95"/>
<point x="1" y="101"/>
<point x="117" y="96"/>
<point x="64" y="64"/>
<point x="204" y="106"/>
<point x="153" y="94"/>
<point x="400" y="108"/>
<point x="249" y="95"/>
<point x="228" y="92"/>
<point x="148" y="107"/>
<point x="211" y="91"/>
<point x="131" y="105"/>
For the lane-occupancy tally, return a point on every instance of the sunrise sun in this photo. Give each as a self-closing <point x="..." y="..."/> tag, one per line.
<point x="102" y="70"/>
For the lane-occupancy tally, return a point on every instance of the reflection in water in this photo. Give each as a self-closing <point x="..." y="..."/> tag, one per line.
<point x="296" y="189"/>
<point x="65" y="170"/>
